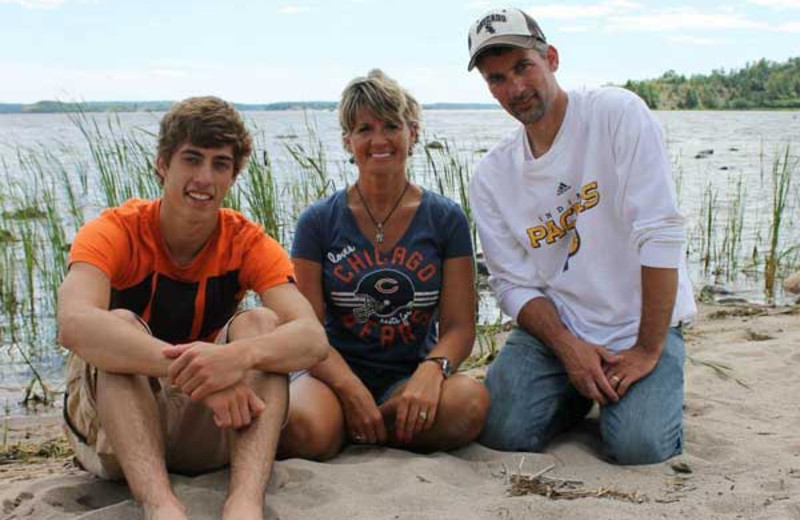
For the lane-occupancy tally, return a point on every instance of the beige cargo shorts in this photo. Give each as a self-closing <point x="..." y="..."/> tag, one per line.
<point x="193" y="443"/>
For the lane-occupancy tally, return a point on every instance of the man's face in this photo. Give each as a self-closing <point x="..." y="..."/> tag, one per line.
<point x="196" y="178"/>
<point x="522" y="81"/>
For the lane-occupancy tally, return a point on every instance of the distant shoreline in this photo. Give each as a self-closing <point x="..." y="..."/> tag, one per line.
<point x="111" y="107"/>
<point x="58" y="107"/>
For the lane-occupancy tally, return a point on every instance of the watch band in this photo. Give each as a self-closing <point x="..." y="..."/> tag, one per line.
<point x="444" y="364"/>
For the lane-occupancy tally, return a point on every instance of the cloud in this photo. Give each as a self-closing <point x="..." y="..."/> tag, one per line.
<point x="575" y="29"/>
<point x="681" y="19"/>
<point x="168" y="73"/>
<point x="292" y="9"/>
<point x="480" y="5"/>
<point x="777" y="4"/>
<point x="791" y="27"/>
<point x="36" y="4"/>
<point x="696" y="40"/>
<point x="575" y="11"/>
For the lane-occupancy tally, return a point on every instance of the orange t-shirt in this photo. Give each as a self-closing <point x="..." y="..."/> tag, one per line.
<point x="180" y="304"/>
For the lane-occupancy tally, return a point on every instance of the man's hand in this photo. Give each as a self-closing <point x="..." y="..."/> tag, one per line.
<point x="201" y="369"/>
<point x="583" y="362"/>
<point x="624" y="368"/>
<point x="234" y="407"/>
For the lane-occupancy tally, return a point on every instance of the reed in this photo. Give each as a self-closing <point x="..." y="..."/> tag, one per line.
<point x="707" y="217"/>
<point x="732" y="241"/>
<point x="60" y="187"/>
<point x="784" y="167"/>
<point x="261" y="195"/>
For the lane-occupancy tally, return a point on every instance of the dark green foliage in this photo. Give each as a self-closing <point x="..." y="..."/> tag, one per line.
<point x="761" y="85"/>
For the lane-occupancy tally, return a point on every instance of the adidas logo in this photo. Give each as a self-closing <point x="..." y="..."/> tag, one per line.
<point x="562" y="188"/>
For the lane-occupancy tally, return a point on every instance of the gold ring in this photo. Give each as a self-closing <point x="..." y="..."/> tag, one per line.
<point x="423" y="415"/>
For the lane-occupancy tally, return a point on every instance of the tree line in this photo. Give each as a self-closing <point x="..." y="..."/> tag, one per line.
<point x="763" y="84"/>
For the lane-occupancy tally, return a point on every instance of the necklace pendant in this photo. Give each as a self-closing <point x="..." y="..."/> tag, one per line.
<point x="379" y="235"/>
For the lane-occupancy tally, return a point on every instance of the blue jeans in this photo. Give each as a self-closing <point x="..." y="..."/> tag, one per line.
<point x="533" y="400"/>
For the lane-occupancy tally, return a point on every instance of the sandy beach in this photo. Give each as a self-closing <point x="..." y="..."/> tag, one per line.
<point x="741" y="457"/>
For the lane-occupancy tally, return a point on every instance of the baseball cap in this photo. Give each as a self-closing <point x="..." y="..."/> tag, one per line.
<point x="508" y="26"/>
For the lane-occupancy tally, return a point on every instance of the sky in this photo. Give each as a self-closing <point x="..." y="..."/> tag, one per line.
<point x="304" y="50"/>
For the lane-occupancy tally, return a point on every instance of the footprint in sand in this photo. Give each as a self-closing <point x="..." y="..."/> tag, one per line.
<point x="285" y="474"/>
<point x="10" y="505"/>
<point x="86" y="497"/>
<point x="695" y="406"/>
<point x="705" y="445"/>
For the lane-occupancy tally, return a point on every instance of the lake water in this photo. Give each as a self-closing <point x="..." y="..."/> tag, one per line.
<point x="743" y="147"/>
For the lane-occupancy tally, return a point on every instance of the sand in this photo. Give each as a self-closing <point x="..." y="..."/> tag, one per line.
<point x="741" y="458"/>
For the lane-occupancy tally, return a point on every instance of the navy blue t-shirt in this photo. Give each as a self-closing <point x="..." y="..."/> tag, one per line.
<point x="381" y="309"/>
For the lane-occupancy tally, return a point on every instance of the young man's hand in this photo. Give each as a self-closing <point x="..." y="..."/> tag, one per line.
<point x="234" y="407"/>
<point x="201" y="369"/>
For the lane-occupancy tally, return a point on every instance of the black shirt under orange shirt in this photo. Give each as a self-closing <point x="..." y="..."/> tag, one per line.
<point x="180" y="304"/>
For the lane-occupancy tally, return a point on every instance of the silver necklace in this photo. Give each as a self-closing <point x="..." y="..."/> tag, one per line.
<point x="379" y="224"/>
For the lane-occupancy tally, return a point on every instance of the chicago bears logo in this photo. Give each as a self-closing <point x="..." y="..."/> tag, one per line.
<point x="387" y="294"/>
<point x="383" y="294"/>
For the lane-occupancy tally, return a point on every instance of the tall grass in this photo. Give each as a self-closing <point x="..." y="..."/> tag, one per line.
<point x="734" y="225"/>
<point x="784" y="167"/>
<point x="54" y="191"/>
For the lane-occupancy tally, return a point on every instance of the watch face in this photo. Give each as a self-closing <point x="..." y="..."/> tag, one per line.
<point x="445" y="364"/>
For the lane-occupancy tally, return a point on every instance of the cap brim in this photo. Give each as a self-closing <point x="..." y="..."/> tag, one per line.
<point x="503" y="40"/>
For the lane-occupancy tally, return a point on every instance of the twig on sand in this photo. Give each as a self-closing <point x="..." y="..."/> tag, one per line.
<point x="738" y="312"/>
<point x="542" y="472"/>
<point x="561" y="489"/>
<point x="32" y="452"/>
<point x="554" y="489"/>
<point x="722" y="370"/>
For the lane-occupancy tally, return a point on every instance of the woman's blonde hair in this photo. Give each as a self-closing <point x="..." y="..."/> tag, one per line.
<point x="382" y="96"/>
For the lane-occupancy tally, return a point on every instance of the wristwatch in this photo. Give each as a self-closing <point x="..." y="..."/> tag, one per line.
<point x="444" y="364"/>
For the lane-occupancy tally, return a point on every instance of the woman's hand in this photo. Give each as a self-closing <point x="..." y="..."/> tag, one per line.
<point x="417" y="403"/>
<point x="364" y="420"/>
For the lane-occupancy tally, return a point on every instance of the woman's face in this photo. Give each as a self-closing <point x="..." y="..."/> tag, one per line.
<point x="379" y="146"/>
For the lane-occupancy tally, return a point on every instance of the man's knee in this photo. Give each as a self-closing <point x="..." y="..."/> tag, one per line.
<point x="638" y="446"/>
<point x="109" y="382"/>
<point x="520" y="407"/>
<point x="508" y="426"/>
<point x="252" y="322"/>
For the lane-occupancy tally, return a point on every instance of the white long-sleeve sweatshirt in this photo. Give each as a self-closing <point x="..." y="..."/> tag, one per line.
<point x="577" y="224"/>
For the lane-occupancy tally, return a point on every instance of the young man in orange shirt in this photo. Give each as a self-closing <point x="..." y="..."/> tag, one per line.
<point x="165" y="373"/>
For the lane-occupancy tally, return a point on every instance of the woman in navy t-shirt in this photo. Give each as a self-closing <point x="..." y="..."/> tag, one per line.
<point x="388" y="269"/>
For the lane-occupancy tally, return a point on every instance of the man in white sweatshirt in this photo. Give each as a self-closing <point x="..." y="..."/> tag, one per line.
<point x="578" y="221"/>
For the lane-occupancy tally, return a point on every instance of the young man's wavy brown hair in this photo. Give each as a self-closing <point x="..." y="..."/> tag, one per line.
<point x="207" y="122"/>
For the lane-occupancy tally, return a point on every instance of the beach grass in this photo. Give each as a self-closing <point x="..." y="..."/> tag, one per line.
<point x="52" y="191"/>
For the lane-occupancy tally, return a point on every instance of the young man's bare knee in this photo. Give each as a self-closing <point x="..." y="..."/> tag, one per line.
<point x="252" y="322"/>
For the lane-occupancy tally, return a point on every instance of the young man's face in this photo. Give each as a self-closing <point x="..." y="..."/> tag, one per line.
<point x="522" y="81"/>
<point x="197" y="178"/>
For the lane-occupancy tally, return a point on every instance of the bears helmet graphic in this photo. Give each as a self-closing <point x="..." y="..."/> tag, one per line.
<point x="383" y="293"/>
